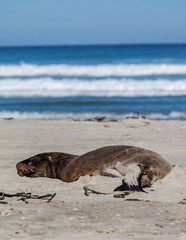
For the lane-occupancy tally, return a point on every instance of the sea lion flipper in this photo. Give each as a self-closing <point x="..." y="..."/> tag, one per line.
<point x="126" y="187"/>
<point x="139" y="182"/>
<point x="132" y="178"/>
<point x="120" y="188"/>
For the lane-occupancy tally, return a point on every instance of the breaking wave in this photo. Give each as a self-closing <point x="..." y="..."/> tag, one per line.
<point x="109" y="87"/>
<point x="71" y="115"/>
<point x="102" y="70"/>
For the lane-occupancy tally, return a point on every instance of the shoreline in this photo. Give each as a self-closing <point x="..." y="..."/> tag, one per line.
<point x="71" y="215"/>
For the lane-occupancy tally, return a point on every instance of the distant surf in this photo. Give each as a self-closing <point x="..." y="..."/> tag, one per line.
<point x="86" y="115"/>
<point x="100" y="70"/>
<point x="87" y="81"/>
<point x="107" y="87"/>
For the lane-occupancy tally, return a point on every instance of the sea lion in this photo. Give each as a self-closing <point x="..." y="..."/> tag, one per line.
<point x="139" y="167"/>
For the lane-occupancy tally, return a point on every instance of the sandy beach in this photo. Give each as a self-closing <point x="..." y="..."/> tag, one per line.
<point x="160" y="214"/>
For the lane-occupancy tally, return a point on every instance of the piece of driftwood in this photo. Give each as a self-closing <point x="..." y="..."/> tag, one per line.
<point x="183" y="201"/>
<point x="123" y="195"/>
<point x="3" y="202"/>
<point x="88" y="191"/>
<point x="24" y="196"/>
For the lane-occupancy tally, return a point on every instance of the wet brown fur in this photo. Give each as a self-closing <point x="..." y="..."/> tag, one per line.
<point x="69" y="167"/>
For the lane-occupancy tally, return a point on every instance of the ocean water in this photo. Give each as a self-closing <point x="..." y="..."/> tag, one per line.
<point x="88" y="81"/>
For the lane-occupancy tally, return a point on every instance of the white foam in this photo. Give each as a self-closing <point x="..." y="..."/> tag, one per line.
<point x="48" y="115"/>
<point x="66" y="115"/>
<point x="109" y="87"/>
<point x="171" y="115"/>
<point x="102" y="70"/>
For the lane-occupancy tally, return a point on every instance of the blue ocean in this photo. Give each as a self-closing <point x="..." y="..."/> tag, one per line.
<point x="88" y="81"/>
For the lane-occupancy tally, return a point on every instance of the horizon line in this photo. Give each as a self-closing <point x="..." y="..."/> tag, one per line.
<point x="88" y="44"/>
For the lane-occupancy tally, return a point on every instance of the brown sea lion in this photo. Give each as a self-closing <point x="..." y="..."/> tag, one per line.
<point x="138" y="167"/>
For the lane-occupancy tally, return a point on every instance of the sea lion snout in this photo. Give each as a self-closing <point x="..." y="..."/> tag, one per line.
<point x="20" y="172"/>
<point x="23" y="170"/>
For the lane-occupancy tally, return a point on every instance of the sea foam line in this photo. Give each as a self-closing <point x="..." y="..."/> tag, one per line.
<point x="102" y="70"/>
<point x="48" y="87"/>
<point x="71" y="115"/>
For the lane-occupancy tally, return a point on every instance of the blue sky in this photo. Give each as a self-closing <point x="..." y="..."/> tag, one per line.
<point x="53" y="22"/>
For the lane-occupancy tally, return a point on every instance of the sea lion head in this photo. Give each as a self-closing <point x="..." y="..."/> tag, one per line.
<point x="36" y="166"/>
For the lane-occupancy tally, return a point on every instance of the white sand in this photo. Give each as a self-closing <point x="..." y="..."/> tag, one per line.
<point x="72" y="215"/>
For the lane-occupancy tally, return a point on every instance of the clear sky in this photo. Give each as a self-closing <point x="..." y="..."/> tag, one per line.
<point x="54" y="22"/>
